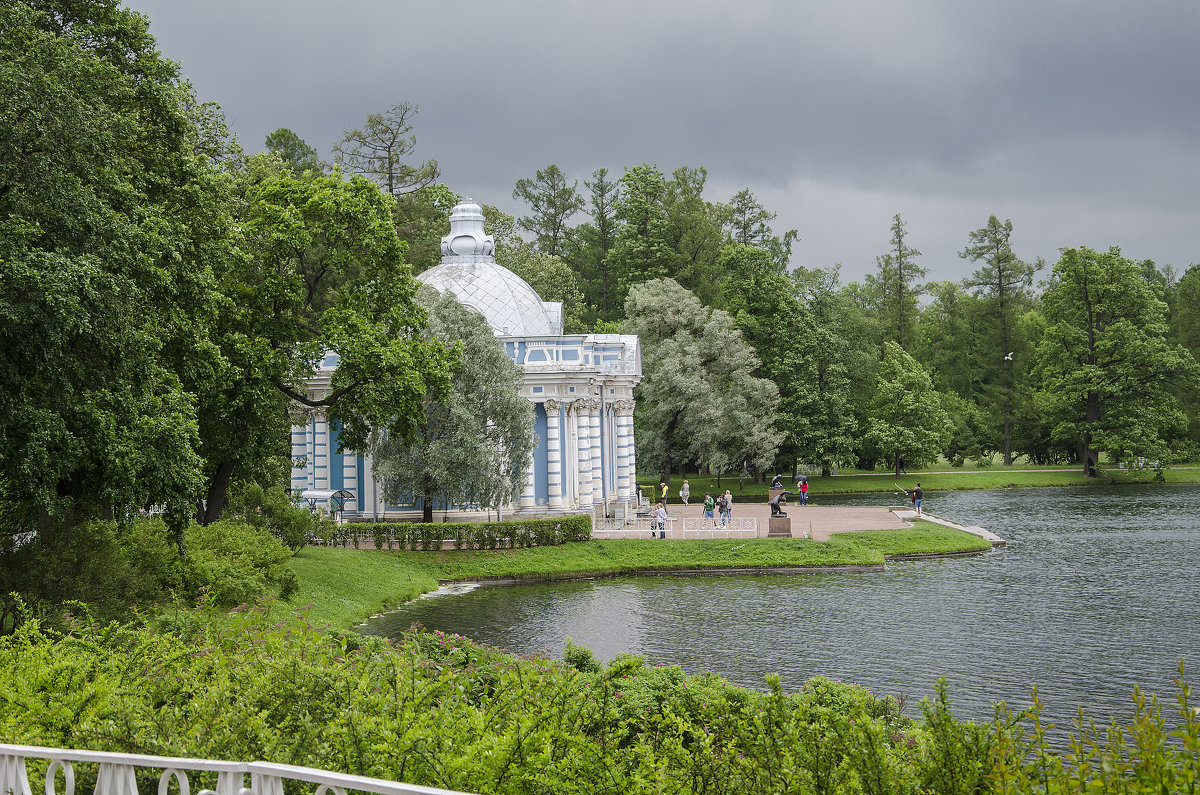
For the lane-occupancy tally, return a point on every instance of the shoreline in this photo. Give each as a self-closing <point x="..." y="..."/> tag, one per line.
<point x="710" y="571"/>
<point x="345" y="587"/>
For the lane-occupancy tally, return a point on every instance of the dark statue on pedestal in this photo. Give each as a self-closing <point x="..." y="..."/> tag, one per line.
<point x="781" y="499"/>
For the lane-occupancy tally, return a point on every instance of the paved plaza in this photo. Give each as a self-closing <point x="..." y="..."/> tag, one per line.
<point x="817" y="521"/>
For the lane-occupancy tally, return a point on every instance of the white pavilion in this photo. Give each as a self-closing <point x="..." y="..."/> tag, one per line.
<point x="581" y="387"/>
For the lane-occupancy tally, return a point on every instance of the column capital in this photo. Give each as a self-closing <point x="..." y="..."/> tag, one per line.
<point x="551" y="405"/>
<point x="624" y="406"/>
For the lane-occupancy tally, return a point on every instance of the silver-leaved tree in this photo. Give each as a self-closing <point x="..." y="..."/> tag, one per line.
<point x="699" y="401"/>
<point x="476" y="441"/>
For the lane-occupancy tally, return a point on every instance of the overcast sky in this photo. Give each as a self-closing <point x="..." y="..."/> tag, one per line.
<point x="1078" y="120"/>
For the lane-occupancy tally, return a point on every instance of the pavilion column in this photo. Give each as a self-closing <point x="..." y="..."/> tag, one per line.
<point x="323" y="453"/>
<point x="583" y="436"/>
<point x="624" y="448"/>
<point x="598" y="443"/>
<point x="528" y="498"/>
<point x="554" y="453"/>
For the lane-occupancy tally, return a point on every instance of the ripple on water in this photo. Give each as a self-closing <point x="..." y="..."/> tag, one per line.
<point x="1094" y="594"/>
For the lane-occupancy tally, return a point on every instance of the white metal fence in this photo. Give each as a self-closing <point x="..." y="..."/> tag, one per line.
<point x="117" y="775"/>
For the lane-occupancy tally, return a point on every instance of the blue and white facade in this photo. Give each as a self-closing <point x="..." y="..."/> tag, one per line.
<point x="581" y="386"/>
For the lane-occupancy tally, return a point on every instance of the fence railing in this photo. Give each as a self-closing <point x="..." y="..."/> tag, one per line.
<point x="117" y="775"/>
<point x="687" y="527"/>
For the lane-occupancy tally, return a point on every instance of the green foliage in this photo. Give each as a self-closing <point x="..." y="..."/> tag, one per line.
<point x="516" y="534"/>
<point x="551" y="202"/>
<point x="591" y="244"/>
<point x="272" y="509"/>
<point x="439" y="710"/>
<point x="581" y="659"/>
<point x="895" y="288"/>
<point x="1105" y="369"/>
<point x="294" y="152"/>
<point x="380" y="149"/>
<point x="549" y="275"/>
<point x="476" y="437"/>
<point x="237" y="563"/>
<point x="641" y="250"/>
<point x="112" y="216"/>
<point x="907" y="420"/>
<point x="140" y="567"/>
<point x="699" y="400"/>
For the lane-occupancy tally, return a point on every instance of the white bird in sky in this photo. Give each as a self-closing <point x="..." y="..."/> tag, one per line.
<point x="1009" y="357"/>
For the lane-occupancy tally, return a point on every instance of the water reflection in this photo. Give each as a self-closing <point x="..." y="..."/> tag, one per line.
<point x="1095" y="593"/>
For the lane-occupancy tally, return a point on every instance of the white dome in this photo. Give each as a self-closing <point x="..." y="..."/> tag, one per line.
<point x="506" y="301"/>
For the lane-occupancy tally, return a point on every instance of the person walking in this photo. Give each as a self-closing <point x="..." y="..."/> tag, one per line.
<point x="663" y="486"/>
<point x="728" y="507"/>
<point x="660" y="521"/>
<point x="804" y="491"/>
<point x="685" y="491"/>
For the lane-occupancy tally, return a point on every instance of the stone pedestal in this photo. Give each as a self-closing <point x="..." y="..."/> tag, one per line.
<point x="779" y="527"/>
<point x="773" y="493"/>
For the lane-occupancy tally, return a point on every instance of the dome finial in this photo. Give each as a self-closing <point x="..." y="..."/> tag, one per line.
<point x="467" y="238"/>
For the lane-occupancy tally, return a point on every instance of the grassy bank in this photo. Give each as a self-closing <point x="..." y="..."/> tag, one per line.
<point x="344" y="586"/>
<point x="940" y="477"/>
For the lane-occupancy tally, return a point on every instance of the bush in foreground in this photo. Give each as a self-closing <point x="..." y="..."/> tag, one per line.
<point x="441" y="710"/>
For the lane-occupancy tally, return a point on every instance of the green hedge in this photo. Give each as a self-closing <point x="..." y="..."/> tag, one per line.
<point x="465" y="535"/>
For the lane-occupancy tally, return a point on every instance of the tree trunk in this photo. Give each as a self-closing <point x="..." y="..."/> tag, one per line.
<point x="427" y="509"/>
<point x="218" y="494"/>
<point x="1090" y="456"/>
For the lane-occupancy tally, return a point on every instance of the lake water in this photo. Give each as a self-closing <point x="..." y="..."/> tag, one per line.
<point x="1097" y="591"/>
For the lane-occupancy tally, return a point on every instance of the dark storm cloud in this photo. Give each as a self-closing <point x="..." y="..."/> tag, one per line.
<point x="1078" y="120"/>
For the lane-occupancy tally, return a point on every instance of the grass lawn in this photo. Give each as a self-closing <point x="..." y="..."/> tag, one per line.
<point x="345" y="586"/>
<point x="937" y="477"/>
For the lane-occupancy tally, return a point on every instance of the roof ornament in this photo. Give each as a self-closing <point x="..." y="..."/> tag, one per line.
<point x="466" y="238"/>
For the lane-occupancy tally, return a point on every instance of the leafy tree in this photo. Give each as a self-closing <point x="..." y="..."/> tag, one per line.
<point x="592" y="244"/>
<point x="379" y="151"/>
<point x="642" y="250"/>
<point x="477" y="437"/>
<point x="323" y="272"/>
<point x="821" y="402"/>
<point x="295" y="153"/>
<point x="1105" y="368"/>
<point x="1185" y="331"/>
<point x="1185" y="317"/>
<point x="804" y="361"/>
<point x="699" y="399"/>
<point x="948" y="338"/>
<point x="552" y="203"/>
<point x="422" y="220"/>
<point x="907" y="419"/>
<point x="695" y="234"/>
<point x="750" y="225"/>
<point x="1002" y="283"/>
<point x="112" y="214"/>
<point x="895" y="285"/>
<point x="845" y="345"/>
